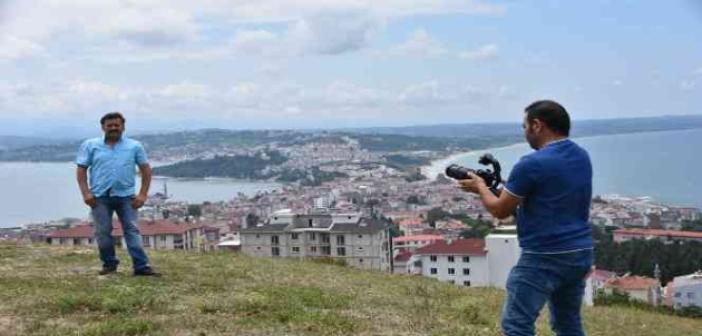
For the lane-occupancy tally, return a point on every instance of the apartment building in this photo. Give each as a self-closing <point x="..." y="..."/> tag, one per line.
<point x="161" y="235"/>
<point x="470" y="262"/>
<point x="686" y="290"/>
<point x="358" y="241"/>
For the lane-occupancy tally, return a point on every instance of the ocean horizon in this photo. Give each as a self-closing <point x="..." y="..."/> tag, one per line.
<point x="623" y="164"/>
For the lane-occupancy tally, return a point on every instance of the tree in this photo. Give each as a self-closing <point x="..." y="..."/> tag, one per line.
<point x="194" y="210"/>
<point x="414" y="199"/>
<point x="436" y="214"/>
<point x="476" y="228"/>
<point x="251" y="219"/>
<point x="640" y="257"/>
<point x="695" y="225"/>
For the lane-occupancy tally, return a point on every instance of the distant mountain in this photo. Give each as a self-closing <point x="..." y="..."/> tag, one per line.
<point x="435" y="138"/>
<point x="8" y="142"/>
<point x="579" y="127"/>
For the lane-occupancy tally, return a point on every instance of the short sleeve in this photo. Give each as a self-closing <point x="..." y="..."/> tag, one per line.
<point x="85" y="155"/>
<point x="523" y="178"/>
<point x="141" y="158"/>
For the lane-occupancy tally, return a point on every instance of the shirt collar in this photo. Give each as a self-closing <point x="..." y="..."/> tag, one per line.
<point x="556" y="142"/>
<point x="121" y="139"/>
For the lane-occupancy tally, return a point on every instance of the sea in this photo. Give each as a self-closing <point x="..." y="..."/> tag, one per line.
<point x="666" y="166"/>
<point x="40" y="192"/>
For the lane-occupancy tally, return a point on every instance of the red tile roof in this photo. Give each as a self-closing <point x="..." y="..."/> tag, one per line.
<point x="453" y="225"/>
<point x="631" y="282"/>
<point x="601" y="275"/>
<point x="659" y="233"/>
<point x="417" y="238"/>
<point x="457" y="247"/>
<point x="411" y="222"/>
<point x="403" y="256"/>
<point x="147" y="228"/>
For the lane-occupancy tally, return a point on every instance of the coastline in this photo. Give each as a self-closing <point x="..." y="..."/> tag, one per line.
<point x="437" y="166"/>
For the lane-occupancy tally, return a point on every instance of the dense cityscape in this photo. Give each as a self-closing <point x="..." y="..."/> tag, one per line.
<point x="371" y="213"/>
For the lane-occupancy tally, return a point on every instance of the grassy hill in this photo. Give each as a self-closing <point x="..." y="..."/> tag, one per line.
<point x="56" y="291"/>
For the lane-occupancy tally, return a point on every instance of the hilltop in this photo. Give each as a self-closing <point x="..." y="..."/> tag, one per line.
<point x="55" y="291"/>
<point x="441" y="139"/>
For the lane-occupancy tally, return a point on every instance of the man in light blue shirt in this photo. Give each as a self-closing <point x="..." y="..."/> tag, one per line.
<point x="110" y="162"/>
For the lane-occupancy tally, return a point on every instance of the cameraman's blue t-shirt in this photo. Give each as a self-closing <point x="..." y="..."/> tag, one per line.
<point x="555" y="185"/>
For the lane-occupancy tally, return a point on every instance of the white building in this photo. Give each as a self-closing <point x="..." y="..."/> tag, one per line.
<point x="348" y="237"/>
<point x="686" y="290"/>
<point x="471" y="262"/>
<point x="503" y="254"/>
<point x="412" y="243"/>
<point x="161" y="235"/>
<point x="638" y="288"/>
<point x="595" y="282"/>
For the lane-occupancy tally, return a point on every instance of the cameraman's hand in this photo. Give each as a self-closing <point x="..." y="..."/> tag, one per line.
<point x="473" y="184"/>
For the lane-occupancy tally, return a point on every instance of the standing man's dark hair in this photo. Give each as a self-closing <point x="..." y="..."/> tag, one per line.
<point x="550" y="189"/>
<point x="110" y="162"/>
<point x="112" y="115"/>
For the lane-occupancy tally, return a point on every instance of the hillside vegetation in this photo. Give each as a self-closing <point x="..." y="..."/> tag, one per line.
<point x="56" y="291"/>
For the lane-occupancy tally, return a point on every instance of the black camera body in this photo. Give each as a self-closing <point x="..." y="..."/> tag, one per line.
<point x="492" y="178"/>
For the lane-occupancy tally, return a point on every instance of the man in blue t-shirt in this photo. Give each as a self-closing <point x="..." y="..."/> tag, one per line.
<point x="550" y="190"/>
<point x="110" y="162"/>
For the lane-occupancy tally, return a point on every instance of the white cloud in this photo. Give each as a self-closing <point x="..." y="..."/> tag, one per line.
<point x="345" y="94"/>
<point x="428" y="93"/>
<point x="314" y="26"/>
<point x="251" y="104"/>
<point x="332" y="32"/>
<point x="292" y="111"/>
<point x="256" y="42"/>
<point x="419" y="44"/>
<point x="148" y="25"/>
<point x="12" y="48"/>
<point x="322" y="34"/>
<point x="486" y="52"/>
<point x="142" y="23"/>
<point x="688" y="85"/>
<point x="96" y="90"/>
<point x="277" y="11"/>
<point x="184" y="91"/>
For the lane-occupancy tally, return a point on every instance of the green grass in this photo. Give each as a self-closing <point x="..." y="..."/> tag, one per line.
<point x="56" y="291"/>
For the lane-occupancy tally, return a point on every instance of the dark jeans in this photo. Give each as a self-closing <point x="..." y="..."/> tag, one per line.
<point x="102" y="216"/>
<point x="558" y="279"/>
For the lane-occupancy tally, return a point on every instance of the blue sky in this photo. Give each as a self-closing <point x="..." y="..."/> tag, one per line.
<point x="343" y="63"/>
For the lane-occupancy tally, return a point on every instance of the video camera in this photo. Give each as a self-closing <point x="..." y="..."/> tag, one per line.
<point x="493" y="178"/>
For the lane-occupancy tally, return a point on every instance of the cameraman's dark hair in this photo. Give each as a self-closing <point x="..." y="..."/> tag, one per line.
<point x="112" y="115"/>
<point x="550" y="113"/>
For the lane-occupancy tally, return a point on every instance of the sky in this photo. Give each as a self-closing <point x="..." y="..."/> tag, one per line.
<point x="264" y="64"/>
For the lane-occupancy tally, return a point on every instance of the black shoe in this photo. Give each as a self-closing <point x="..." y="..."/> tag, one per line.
<point x="147" y="272"/>
<point x="108" y="270"/>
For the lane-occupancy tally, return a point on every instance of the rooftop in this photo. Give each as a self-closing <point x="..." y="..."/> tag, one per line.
<point x="631" y="282"/>
<point x="146" y="228"/>
<point x="659" y="233"/>
<point x="455" y="247"/>
<point x="422" y="237"/>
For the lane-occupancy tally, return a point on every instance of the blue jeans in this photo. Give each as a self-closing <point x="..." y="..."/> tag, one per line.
<point x="102" y="216"/>
<point x="558" y="279"/>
